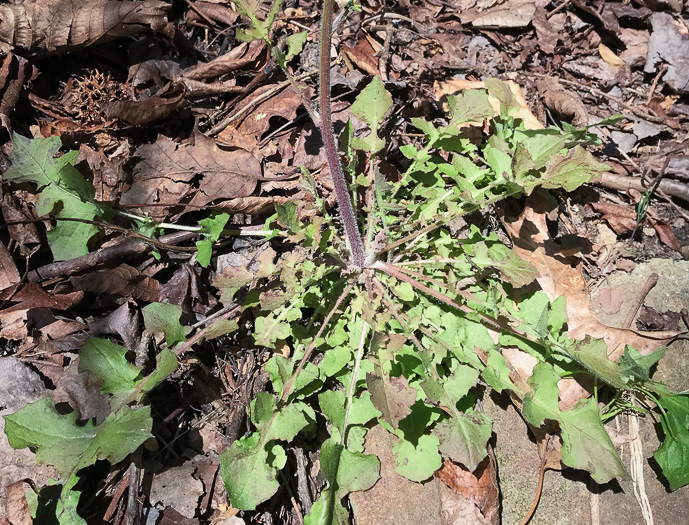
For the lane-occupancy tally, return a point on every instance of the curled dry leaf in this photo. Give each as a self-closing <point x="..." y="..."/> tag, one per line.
<point x="31" y="295"/>
<point x="138" y="112"/>
<point x="563" y="102"/>
<point x="9" y="275"/>
<point x="17" y="508"/>
<point x="58" y="26"/>
<point x="13" y="72"/>
<point x="16" y="208"/>
<point x="473" y="497"/>
<point x="244" y="57"/>
<point x="622" y="219"/>
<point x="123" y="281"/>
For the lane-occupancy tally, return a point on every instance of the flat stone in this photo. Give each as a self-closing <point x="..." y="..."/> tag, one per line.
<point x="394" y="500"/>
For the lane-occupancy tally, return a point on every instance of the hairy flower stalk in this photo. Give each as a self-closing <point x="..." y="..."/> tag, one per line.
<point x="344" y="202"/>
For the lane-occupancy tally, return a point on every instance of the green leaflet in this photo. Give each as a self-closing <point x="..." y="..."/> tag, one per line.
<point x="64" y="192"/>
<point x="250" y="466"/>
<point x="69" y="447"/>
<point x="586" y="444"/>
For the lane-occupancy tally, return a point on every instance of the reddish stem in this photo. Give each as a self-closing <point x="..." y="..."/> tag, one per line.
<point x="344" y="202"/>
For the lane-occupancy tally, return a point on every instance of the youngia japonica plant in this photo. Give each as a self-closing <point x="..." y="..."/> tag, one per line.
<point x="397" y="326"/>
<point x="393" y="314"/>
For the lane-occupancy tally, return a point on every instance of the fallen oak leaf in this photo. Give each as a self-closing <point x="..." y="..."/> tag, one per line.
<point x="533" y="243"/>
<point x="167" y="172"/>
<point x="58" y="26"/>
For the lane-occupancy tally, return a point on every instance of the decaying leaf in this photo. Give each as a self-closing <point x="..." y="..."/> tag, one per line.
<point x="610" y="57"/>
<point x="168" y="171"/>
<point x="58" y="26"/>
<point x="123" y="281"/>
<point x="563" y="102"/>
<point x="623" y="219"/>
<point x="454" y="85"/>
<point x="473" y="497"/>
<point x="17" y="508"/>
<point x="30" y="296"/>
<point x="534" y="244"/>
<point x="138" y="112"/>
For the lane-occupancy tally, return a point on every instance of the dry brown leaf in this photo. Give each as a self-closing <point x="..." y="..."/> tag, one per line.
<point x="509" y="13"/>
<point x="651" y="319"/>
<point x="610" y="57"/>
<point x="611" y="300"/>
<point x="533" y="243"/>
<point x="622" y="219"/>
<point x="138" y="112"/>
<point x="244" y="57"/>
<point x="364" y="54"/>
<point x="247" y="133"/>
<point x="16" y="207"/>
<point x="16" y="505"/>
<point x="473" y="497"/>
<point x="123" y="281"/>
<point x="563" y="102"/>
<point x="455" y="85"/>
<point x="30" y="296"/>
<point x="9" y="275"/>
<point x="58" y="26"/>
<point x="167" y="172"/>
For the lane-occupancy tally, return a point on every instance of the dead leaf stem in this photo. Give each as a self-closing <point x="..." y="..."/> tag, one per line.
<point x="543" y="445"/>
<point x="640" y="298"/>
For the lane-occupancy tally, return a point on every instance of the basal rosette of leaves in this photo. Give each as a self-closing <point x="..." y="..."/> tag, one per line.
<point x="405" y="342"/>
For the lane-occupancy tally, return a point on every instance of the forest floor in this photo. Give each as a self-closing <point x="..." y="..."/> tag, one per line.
<point x="172" y="117"/>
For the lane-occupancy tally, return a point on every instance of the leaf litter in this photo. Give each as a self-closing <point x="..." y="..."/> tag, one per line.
<point x="168" y="170"/>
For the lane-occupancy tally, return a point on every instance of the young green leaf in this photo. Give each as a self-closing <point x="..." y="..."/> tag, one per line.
<point x="673" y="454"/>
<point x="370" y="106"/>
<point x="586" y="444"/>
<point x="250" y="466"/>
<point x="164" y="317"/>
<point x="345" y="472"/>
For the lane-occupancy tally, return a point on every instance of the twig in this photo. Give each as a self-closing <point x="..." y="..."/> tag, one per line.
<point x="661" y="70"/>
<point x="673" y="188"/>
<point x="557" y="9"/>
<point x="200" y="13"/>
<point x="224" y="313"/>
<point x="640" y="298"/>
<point x="685" y="316"/>
<point x="115" y="499"/>
<point x="539" y="489"/>
<point x="79" y="264"/>
<point x="132" y="513"/>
